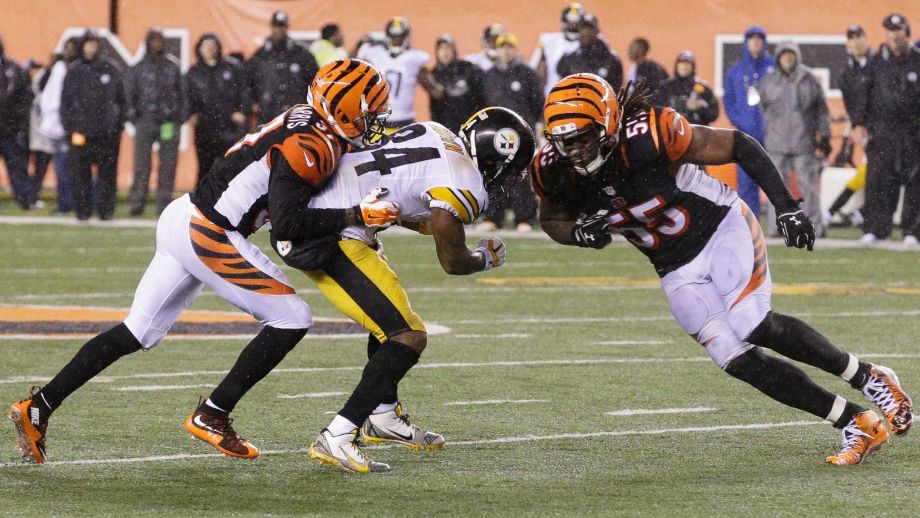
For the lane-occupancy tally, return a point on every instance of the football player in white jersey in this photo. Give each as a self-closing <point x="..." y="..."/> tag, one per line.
<point x="486" y="58"/>
<point x="402" y="66"/>
<point x="553" y="45"/>
<point x="202" y="240"/>
<point x="440" y="182"/>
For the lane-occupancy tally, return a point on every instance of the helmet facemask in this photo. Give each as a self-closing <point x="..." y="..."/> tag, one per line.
<point x="586" y="149"/>
<point x="371" y="124"/>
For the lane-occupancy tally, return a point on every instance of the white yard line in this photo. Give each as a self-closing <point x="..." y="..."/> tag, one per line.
<point x="157" y="388"/>
<point x="634" y="342"/>
<point x="474" y="442"/>
<point x="501" y="335"/>
<point x="496" y="402"/>
<point x="81" y="336"/>
<point x="446" y="365"/>
<point x="657" y="411"/>
<point x="312" y="395"/>
<point x="659" y="318"/>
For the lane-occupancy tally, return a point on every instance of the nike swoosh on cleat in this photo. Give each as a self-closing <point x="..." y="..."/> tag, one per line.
<point x="200" y="424"/>
<point x="309" y="162"/>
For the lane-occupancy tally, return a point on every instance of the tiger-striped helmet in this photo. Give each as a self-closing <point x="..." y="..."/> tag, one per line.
<point x="582" y="119"/>
<point x="353" y="97"/>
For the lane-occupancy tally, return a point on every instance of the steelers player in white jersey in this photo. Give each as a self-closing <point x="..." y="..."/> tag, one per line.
<point x="440" y="182"/>
<point x="201" y="240"/>
<point x="553" y="45"/>
<point x="403" y="67"/>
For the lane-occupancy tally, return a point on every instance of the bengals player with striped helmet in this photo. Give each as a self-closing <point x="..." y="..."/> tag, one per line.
<point x="201" y="240"/>
<point x="614" y="164"/>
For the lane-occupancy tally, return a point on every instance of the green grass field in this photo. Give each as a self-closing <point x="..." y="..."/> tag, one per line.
<point x="576" y="333"/>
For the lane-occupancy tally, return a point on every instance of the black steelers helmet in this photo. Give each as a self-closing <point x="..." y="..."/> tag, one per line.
<point x="396" y="35"/>
<point x="500" y="143"/>
<point x="572" y="15"/>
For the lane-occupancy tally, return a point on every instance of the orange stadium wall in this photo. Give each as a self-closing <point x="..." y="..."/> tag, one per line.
<point x="32" y="28"/>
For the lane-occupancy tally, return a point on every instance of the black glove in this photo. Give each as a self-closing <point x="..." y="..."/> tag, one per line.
<point x="796" y="228"/>
<point x="592" y="231"/>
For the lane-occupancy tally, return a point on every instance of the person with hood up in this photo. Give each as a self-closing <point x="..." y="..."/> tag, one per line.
<point x="741" y="101"/>
<point x="688" y="94"/>
<point x="457" y="86"/>
<point x="217" y="99"/>
<point x="15" y="103"/>
<point x="155" y="97"/>
<point x="93" y="111"/>
<point x="797" y="129"/>
<point x="49" y="125"/>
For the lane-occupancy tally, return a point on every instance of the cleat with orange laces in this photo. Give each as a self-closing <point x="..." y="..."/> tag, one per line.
<point x="864" y="434"/>
<point x="30" y="429"/>
<point x="217" y="430"/>
<point x="884" y="389"/>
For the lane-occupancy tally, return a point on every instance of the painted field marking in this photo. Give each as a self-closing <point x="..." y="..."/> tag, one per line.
<point x="634" y="342"/>
<point x="446" y="365"/>
<point x="659" y="318"/>
<point x="77" y="336"/>
<point x="156" y="388"/>
<point x="312" y="395"/>
<point x="657" y="411"/>
<point x="502" y="335"/>
<point x="474" y="442"/>
<point x="496" y="402"/>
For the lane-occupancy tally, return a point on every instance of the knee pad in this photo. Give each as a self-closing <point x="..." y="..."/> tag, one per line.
<point x="721" y="343"/>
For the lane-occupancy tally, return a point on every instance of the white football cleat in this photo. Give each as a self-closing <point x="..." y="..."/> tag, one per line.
<point x="394" y="427"/>
<point x="342" y="452"/>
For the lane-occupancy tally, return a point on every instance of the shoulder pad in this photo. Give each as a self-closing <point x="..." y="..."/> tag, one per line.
<point x="545" y="170"/>
<point x="659" y="134"/>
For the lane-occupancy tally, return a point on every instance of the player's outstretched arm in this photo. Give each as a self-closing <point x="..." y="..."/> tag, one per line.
<point x="562" y="226"/>
<point x="453" y="254"/>
<point x="721" y="146"/>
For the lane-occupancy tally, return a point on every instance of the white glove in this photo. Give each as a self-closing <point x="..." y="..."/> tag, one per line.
<point x="376" y="213"/>
<point x="493" y="250"/>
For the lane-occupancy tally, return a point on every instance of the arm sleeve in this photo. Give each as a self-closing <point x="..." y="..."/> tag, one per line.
<point x="750" y="155"/>
<point x="861" y="93"/>
<point x="288" y="199"/>
<point x="729" y="97"/>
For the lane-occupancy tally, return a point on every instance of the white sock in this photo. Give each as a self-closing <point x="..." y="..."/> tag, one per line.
<point x="383" y="408"/>
<point x="340" y="426"/>
<point x="215" y="407"/>
<point x="852" y="367"/>
<point x="840" y="405"/>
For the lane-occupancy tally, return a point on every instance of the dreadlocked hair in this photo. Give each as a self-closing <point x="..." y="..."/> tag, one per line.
<point x="635" y="98"/>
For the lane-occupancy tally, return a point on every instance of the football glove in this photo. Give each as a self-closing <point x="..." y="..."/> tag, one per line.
<point x="376" y="213"/>
<point x="592" y="231"/>
<point x="493" y="251"/>
<point x="796" y="229"/>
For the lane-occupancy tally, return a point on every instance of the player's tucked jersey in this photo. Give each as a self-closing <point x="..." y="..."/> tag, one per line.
<point x="667" y="211"/>
<point x="552" y="46"/>
<point x="297" y="143"/>
<point x="401" y="72"/>
<point x="423" y="165"/>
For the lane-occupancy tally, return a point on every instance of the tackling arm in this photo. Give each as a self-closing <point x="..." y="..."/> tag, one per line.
<point x="453" y="254"/>
<point x="557" y="222"/>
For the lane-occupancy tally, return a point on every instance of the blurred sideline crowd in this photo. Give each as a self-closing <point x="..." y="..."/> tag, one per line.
<point x="71" y="110"/>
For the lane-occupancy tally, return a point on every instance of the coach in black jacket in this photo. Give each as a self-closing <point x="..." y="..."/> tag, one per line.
<point x="280" y="71"/>
<point x="217" y="100"/>
<point x="457" y="90"/>
<point x="889" y="108"/>
<point x="93" y="109"/>
<point x="155" y="96"/>
<point x="593" y="57"/>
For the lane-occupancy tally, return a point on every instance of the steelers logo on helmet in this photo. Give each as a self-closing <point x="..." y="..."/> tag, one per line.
<point x="507" y="141"/>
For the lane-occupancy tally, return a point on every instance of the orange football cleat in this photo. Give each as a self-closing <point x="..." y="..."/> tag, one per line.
<point x="884" y="389"/>
<point x="218" y="432"/>
<point x="30" y="429"/>
<point x="864" y="434"/>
